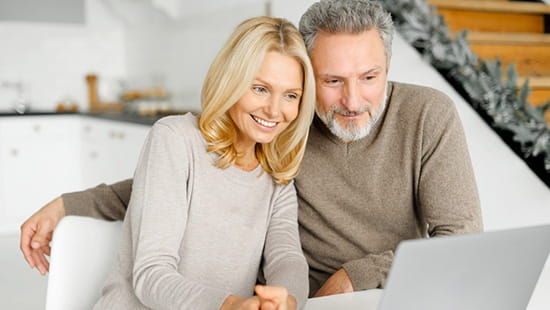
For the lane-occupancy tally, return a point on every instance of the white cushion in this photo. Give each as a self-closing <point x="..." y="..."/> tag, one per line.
<point x="83" y="250"/>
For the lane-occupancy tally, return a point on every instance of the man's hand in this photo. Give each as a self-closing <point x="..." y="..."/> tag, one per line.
<point x="36" y="234"/>
<point x="338" y="283"/>
<point x="275" y="298"/>
<point x="233" y="302"/>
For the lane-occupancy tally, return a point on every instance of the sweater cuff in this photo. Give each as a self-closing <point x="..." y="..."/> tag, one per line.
<point x="293" y="275"/>
<point x="369" y="272"/>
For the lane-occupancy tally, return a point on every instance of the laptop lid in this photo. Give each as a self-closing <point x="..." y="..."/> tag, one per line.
<point x="495" y="270"/>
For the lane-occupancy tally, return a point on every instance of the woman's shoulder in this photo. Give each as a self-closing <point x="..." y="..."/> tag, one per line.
<point x="180" y="127"/>
<point x="183" y="122"/>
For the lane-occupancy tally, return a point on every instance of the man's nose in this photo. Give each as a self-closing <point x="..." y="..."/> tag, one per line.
<point x="350" y="97"/>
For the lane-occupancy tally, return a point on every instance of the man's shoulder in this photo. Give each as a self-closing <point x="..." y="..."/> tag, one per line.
<point x="417" y="92"/>
<point x="419" y="98"/>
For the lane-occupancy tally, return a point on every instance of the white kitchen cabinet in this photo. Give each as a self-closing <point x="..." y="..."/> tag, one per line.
<point x="38" y="160"/>
<point x="44" y="156"/>
<point x="110" y="150"/>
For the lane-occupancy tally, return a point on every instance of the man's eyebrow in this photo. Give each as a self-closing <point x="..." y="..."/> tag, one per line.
<point x="375" y="68"/>
<point x="330" y="75"/>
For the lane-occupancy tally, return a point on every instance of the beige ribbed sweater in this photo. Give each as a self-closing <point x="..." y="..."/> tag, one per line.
<point x="195" y="233"/>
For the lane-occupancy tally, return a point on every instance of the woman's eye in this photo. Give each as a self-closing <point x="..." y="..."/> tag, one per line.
<point x="259" y="89"/>
<point x="292" y="96"/>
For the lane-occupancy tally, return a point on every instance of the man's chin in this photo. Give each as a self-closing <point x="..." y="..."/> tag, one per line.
<point x="351" y="126"/>
<point x="349" y="131"/>
<point x="358" y="121"/>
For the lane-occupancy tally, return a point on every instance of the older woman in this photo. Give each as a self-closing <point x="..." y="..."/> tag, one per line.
<point x="212" y="200"/>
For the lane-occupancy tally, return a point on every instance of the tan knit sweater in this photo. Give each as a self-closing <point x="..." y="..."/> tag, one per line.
<point x="411" y="177"/>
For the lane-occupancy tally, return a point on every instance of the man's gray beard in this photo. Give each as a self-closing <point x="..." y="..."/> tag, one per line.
<point x="351" y="132"/>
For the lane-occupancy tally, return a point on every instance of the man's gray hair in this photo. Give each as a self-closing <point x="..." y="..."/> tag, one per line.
<point x="348" y="16"/>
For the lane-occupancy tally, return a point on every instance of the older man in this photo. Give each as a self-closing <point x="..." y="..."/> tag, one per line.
<point x="385" y="161"/>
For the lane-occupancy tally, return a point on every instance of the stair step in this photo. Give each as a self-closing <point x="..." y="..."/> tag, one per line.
<point x="536" y="82"/>
<point x="540" y="89"/>
<point x="508" y="38"/>
<point x="493" y="15"/>
<point x="539" y="97"/>
<point x="529" y="52"/>
<point x="517" y="7"/>
<point x="530" y="60"/>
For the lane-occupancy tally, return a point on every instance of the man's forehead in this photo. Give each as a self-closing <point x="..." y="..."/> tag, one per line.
<point x="347" y="43"/>
<point x="347" y="53"/>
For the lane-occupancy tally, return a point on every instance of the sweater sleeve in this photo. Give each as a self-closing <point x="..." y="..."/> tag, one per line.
<point x="108" y="202"/>
<point x="370" y="271"/>
<point x="158" y="218"/>
<point x="284" y="263"/>
<point x="447" y="196"/>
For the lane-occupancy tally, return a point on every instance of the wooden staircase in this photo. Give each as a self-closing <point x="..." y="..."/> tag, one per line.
<point x="514" y="31"/>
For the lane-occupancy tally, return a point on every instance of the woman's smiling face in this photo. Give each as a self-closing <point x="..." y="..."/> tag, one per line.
<point x="271" y="103"/>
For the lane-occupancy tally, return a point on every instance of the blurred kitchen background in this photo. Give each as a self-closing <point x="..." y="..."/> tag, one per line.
<point x="127" y="61"/>
<point x="49" y="46"/>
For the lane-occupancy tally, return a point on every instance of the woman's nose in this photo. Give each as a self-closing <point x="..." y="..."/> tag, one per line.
<point x="273" y="107"/>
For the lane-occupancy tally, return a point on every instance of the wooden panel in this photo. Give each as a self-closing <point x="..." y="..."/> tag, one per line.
<point x="486" y="21"/>
<point x="538" y="97"/>
<point x="530" y="60"/>
<point x="493" y="6"/>
<point x="536" y="82"/>
<point x="508" y="38"/>
<point x="540" y="91"/>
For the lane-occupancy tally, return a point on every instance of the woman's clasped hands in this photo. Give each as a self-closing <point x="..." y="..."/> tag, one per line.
<point x="266" y="298"/>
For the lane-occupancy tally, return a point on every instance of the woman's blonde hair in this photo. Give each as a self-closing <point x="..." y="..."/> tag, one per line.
<point x="231" y="75"/>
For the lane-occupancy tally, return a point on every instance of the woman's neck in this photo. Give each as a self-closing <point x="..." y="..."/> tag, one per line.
<point x="246" y="157"/>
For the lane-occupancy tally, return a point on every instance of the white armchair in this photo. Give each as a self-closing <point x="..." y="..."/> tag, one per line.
<point x="83" y="251"/>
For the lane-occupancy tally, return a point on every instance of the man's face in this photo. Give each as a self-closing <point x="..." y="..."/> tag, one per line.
<point x="350" y="75"/>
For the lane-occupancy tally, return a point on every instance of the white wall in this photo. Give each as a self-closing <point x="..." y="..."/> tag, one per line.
<point x="52" y="59"/>
<point x="130" y="40"/>
<point x="177" y="52"/>
<point x="290" y="9"/>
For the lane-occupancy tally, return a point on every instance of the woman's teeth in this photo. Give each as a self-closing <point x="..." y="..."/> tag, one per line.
<point x="264" y="123"/>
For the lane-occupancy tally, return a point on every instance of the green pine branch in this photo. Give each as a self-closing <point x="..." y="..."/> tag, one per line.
<point x="483" y="80"/>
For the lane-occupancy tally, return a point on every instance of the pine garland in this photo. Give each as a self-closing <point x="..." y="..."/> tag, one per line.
<point x="482" y="81"/>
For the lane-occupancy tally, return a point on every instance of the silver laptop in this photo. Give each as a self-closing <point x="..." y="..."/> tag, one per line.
<point x="495" y="270"/>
